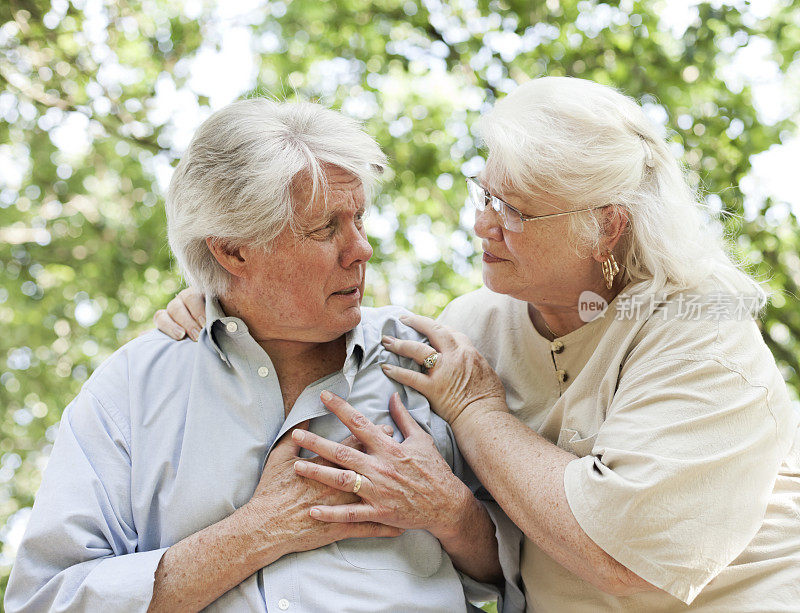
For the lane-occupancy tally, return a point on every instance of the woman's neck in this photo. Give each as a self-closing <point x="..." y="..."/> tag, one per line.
<point x="554" y="319"/>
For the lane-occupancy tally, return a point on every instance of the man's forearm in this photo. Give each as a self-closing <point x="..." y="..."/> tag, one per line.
<point x="471" y="543"/>
<point x="202" y="567"/>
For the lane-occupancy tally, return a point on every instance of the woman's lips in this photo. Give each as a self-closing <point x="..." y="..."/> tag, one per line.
<point x="490" y="258"/>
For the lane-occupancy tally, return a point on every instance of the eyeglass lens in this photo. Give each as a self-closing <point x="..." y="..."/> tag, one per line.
<point x="480" y="197"/>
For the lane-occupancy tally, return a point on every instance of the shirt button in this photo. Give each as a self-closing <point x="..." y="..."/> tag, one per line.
<point x="263" y="371"/>
<point x="231" y="326"/>
<point x="557" y="346"/>
<point x="283" y="604"/>
<point x="562" y="375"/>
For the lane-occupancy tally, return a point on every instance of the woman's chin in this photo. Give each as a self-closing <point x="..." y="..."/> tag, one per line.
<point x="500" y="285"/>
<point x="492" y="282"/>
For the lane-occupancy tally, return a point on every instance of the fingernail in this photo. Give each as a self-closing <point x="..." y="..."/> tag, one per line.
<point x="299" y="465"/>
<point x="386" y="367"/>
<point x="298" y="435"/>
<point x="387" y="340"/>
<point x="194" y="333"/>
<point x="315" y="513"/>
<point x="202" y="321"/>
<point x="178" y="333"/>
<point x="326" y="396"/>
<point x="403" y="318"/>
<point x="388" y="429"/>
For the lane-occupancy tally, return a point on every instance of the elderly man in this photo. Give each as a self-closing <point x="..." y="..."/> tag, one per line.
<point x="171" y="485"/>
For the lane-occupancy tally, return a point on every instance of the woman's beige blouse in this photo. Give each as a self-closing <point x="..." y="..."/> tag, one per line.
<point x="687" y="467"/>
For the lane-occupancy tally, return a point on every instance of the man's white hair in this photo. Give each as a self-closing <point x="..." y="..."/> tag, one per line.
<point x="584" y="144"/>
<point x="234" y="182"/>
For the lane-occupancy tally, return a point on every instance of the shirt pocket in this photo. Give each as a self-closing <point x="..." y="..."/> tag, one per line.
<point x="574" y="442"/>
<point x="415" y="552"/>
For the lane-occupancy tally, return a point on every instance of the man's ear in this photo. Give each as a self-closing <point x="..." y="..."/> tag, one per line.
<point x="614" y="224"/>
<point x="230" y="258"/>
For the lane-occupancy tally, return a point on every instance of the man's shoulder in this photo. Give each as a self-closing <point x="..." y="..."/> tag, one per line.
<point x="379" y="321"/>
<point x="133" y="364"/>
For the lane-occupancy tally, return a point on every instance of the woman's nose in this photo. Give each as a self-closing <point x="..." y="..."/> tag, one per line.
<point x="487" y="224"/>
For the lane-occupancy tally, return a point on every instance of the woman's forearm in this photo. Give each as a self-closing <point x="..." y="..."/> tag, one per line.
<point x="203" y="566"/>
<point x="470" y="541"/>
<point x="525" y="474"/>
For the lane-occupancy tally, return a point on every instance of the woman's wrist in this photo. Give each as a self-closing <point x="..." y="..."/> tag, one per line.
<point x="477" y="414"/>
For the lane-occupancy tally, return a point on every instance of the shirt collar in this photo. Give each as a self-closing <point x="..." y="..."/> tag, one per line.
<point x="354" y="339"/>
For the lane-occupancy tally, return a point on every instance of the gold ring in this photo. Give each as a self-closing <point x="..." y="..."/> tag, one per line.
<point x="357" y="484"/>
<point x="431" y="360"/>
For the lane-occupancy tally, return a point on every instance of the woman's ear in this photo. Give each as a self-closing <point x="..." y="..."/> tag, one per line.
<point x="613" y="225"/>
<point x="230" y="258"/>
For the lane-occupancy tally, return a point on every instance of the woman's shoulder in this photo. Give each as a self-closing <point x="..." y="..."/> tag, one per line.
<point x="709" y="322"/>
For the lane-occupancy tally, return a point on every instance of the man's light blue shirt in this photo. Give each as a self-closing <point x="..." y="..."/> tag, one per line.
<point x="169" y="437"/>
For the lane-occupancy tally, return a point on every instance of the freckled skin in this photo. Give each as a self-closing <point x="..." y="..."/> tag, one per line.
<point x="288" y="293"/>
<point x="541" y="265"/>
<point x="285" y="297"/>
<point x="522" y="470"/>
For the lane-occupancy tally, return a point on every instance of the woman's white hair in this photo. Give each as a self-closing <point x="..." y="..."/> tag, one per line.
<point x="584" y="144"/>
<point x="233" y="184"/>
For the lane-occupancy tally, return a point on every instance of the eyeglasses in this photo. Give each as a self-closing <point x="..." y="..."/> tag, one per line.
<point x="512" y="218"/>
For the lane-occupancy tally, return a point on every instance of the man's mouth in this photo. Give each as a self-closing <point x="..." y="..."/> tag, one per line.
<point x="347" y="291"/>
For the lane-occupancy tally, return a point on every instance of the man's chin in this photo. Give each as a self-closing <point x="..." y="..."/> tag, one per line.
<point x="353" y="314"/>
<point x="345" y="321"/>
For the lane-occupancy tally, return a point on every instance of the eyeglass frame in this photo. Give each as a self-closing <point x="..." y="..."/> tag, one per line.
<point x="522" y="216"/>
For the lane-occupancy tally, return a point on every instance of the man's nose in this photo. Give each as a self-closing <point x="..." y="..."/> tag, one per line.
<point x="356" y="249"/>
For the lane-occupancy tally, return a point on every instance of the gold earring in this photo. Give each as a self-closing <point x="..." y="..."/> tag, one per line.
<point x="610" y="269"/>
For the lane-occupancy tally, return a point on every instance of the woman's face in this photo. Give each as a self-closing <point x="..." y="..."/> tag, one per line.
<point x="539" y="264"/>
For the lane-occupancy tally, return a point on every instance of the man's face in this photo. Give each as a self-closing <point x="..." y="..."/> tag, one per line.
<point x="310" y="285"/>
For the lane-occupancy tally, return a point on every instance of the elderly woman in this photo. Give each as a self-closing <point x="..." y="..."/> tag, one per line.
<point x="650" y="455"/>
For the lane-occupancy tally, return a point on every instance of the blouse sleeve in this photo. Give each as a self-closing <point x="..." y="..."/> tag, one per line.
<point x="678" y="479"/>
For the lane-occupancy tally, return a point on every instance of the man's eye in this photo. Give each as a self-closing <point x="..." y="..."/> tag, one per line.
<point x="326" y="230"/>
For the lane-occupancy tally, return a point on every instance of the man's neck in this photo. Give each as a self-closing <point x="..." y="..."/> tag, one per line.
<point x="294" y="356"/>
<point x="297" y="363"/>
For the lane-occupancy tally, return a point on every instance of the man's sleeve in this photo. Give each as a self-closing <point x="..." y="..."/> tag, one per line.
<point x="79" y="551"/>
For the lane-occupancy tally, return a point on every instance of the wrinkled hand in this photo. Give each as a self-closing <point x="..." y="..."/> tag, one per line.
<point x="461" y="382"/>
<point x="282" y="501"/>
<point x="408" y="485"/>
<point x="185" y="314"/>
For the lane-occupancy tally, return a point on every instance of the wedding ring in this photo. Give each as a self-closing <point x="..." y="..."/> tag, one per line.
<point x="357" y="484"/>
<point x="431" y="360"/>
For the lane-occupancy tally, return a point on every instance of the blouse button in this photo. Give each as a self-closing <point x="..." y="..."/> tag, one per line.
<point x="231" y="326"/>
<point x="263" y="371"/>
<point x="557" y="346"/>
<point x="562" y="375"/>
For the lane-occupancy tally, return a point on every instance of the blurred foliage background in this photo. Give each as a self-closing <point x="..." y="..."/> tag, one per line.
<point x="99" y="98"/>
